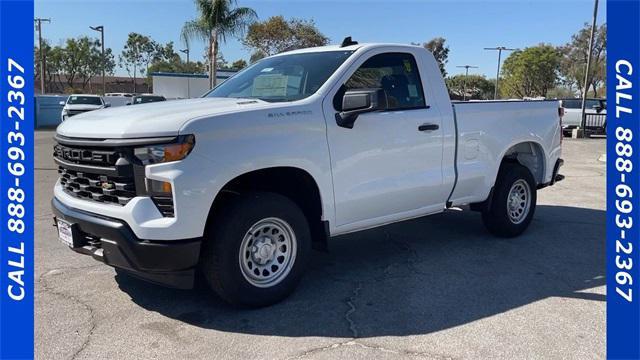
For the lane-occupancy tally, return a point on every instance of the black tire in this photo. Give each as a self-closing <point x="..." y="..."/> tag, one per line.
<point x="221" y="262"/>
<point x="496" y="217"/>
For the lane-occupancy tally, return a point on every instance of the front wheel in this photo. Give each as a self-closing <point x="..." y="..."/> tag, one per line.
<point x="255" y="252"/>
<point x="513" y="202"/>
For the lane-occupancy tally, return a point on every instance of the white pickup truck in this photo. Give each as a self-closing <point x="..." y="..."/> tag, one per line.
<point x="240" y="184"/>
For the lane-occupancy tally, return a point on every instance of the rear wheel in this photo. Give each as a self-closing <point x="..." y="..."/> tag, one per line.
<point x="256" y="249"/>
<point x="513" y="201"/>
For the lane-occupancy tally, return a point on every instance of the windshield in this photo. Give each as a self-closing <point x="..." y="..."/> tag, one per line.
<point x="84" y="100"/>
<point x="577" y="104"/>
<point x="572" y="104"/>
<point x="283" y="78"/>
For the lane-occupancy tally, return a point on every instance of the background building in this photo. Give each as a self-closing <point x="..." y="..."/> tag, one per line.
<point x="185" y="86"/>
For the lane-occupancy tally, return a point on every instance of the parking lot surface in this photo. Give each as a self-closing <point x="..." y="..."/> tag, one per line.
<point x="438" y="287"/>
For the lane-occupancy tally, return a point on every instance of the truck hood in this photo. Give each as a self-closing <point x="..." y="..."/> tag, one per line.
<point x="164" y="118"/>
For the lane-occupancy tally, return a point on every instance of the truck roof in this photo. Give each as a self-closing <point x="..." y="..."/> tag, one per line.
<point x="347" y="48"/>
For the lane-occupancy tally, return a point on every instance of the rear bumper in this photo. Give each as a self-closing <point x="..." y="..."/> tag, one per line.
<point x="555" y="176"/>
<point x="111" y="241"/>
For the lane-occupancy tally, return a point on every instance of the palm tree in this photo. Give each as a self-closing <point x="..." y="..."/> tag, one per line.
<point x="218" y="19"/>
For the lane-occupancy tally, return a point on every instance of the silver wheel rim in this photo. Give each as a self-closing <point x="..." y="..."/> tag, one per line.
<point x="519" y="201"/>
<point x="267" y="252"/>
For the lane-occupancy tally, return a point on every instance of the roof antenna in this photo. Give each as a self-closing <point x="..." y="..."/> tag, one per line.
<point x="348" y="42"/>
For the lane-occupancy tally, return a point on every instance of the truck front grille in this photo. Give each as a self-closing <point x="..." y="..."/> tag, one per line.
<point x="106" y="174"/>
<point x="102" y="188"/>
<point x="103" y="175"/>
<point x="71" y="113"/>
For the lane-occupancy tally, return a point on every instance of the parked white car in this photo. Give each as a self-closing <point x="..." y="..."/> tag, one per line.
<point x="595" y="110"/>
<point x="299" y="147"/>
<point x="78" y="104"/>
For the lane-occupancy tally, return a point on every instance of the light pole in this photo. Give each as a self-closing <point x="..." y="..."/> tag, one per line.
<point x="466" y="75"/>
<point x="586" y="73"/>
<point x="499" y="49"/>
<point x="186" y="51"/>
<point x="39" y="22"/>
<point x="100" y="29"/>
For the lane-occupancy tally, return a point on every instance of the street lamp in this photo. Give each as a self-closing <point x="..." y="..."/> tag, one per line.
<point x="186" y="51"/>
<point x="100" y="29"/>
<point x="586" y="72"/>
<point x="43" y="58"/>
<point x="466" y="75"/>
<point x="499" y="49"/>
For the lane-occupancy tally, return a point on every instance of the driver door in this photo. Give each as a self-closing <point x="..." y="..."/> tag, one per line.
<point x="389" y="165"/>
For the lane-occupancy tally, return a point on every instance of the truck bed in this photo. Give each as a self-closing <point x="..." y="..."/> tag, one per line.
<point x="487" y="131"/>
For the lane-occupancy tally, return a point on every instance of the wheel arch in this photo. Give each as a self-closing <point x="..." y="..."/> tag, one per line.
<point x="529" y="154"/>
<point x="295" y="183"/>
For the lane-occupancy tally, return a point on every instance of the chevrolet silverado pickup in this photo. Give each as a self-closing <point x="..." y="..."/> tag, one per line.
<point x="241" y="184"/>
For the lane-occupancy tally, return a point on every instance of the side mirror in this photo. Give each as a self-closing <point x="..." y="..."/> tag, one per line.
<point x="356" y="102"/>
<point x="106" y="105"/>
<point x="62" y="103"/>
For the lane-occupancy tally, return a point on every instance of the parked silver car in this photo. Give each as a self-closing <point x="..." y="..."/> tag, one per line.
<point x="595" y="110"/>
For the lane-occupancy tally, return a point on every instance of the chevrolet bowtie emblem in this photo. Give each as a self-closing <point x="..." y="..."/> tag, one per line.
<point x="107" y="186"/>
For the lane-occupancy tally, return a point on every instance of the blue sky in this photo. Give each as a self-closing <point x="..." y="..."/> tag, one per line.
<point x="468" y="26"/>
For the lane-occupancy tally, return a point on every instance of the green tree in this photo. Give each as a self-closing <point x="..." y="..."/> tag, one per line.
<point x="530" y="72"/>
<point x="54" y="69"/>
<point x="193" y="67"/>
<point x="477" y="87"/>
<point x="439" y="50"/>
<point x="257" y="55"/>
<point x="239" y="64"/>
<point x="166" y="59"/>
<point x="165" y="53"/>
<point x="37" y="60"/>
<point x="79" y="59"/>
<point x="75" y="54"/>
<point x="561" y="92"/>
<point x="218" y="20"/>
<point x="276" y="35"/>
<point x="574" y="59"/>
<point x="138" y="53"/>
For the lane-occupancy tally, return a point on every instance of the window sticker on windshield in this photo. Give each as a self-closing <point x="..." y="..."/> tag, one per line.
<point x="267" y="70"/>
<point x="407" y="65"/>
<point x="74" y="98"/>
<point x="270" y="85"/>
<point x="413" y="90"/>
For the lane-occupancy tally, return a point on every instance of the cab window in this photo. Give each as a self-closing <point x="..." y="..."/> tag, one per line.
<point x="395" y="73"/>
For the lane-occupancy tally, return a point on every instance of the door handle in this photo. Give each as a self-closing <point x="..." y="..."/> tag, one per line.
<point x="428" y="127"/>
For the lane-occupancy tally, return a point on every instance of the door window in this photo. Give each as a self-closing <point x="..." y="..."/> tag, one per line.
<point x="395" y="73"/>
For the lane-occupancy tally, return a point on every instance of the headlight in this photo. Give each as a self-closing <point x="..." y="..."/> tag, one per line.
<point x="161" y="153"/>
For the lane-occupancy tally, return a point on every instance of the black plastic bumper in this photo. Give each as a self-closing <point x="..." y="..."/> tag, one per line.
<point x="555" y="176"/>
<point x="170" y="263"/>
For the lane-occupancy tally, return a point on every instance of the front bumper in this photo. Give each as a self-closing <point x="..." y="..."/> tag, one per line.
<point x="171" y="263"/>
